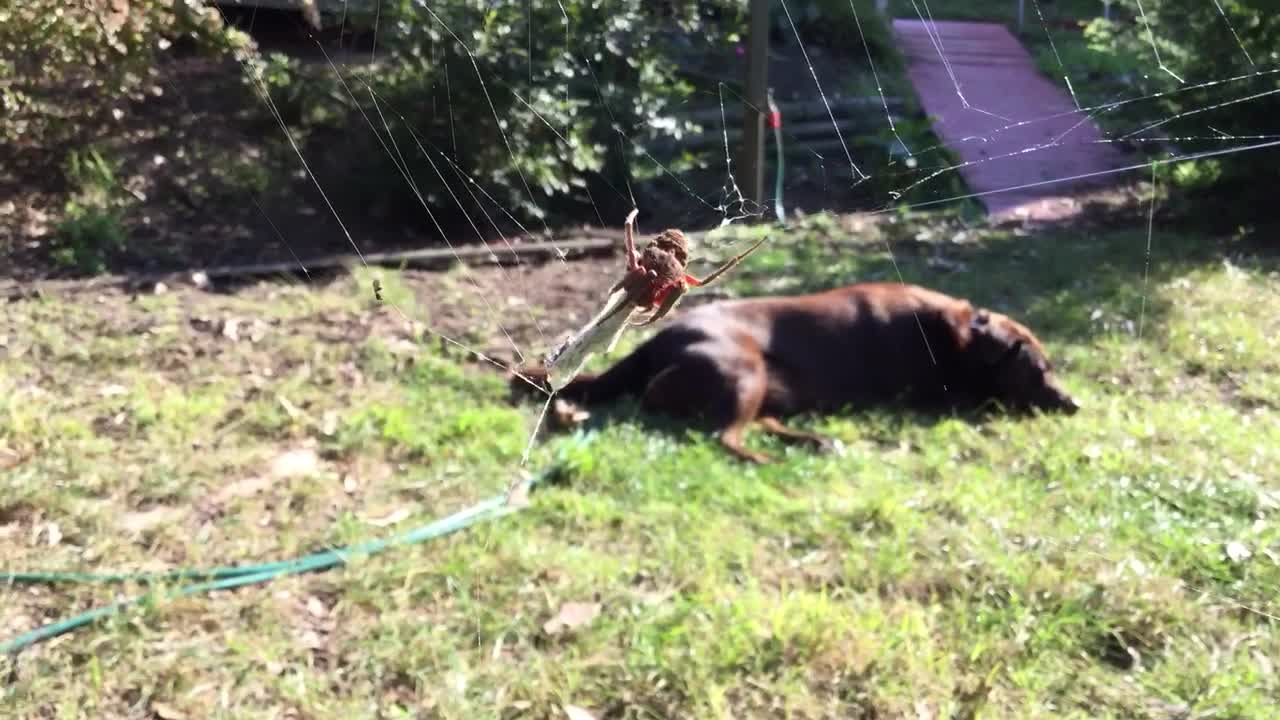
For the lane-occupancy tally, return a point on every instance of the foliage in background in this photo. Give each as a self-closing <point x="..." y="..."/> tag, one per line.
<point x="1097" y="77"/>
<point x="92" y="224"/>
<point x="103" y="49"/>
<point x="555" y="110"/>
<point x="546" y="105"/>
<point x="844" y="24"/>
<point x="1200" y="44"/>
<point x="1053" y="11"/>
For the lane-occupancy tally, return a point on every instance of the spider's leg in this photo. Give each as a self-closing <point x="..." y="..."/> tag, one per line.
<point x="633" y="281"/>
<point x="695" y="282"/>
<point x="633" y="257"/>
<point x="669" y="302"/>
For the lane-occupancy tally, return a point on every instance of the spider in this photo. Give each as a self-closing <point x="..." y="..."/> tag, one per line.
<point x="655" y="280"/>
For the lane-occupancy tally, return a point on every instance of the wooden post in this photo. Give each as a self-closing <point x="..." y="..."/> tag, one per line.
<point x="1022" y="14"/>
<point x="757" y="100"/>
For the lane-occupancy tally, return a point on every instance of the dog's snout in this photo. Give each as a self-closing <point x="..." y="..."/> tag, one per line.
<point x="1058" y="399"/>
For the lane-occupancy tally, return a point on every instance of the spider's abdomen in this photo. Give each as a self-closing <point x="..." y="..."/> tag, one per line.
<point x="662" y="273"/>
<point x="674" y="243"/>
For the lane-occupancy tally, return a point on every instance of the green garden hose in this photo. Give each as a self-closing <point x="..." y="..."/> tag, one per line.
<point x="775" y="122"/>
<point x="226" y="578"/>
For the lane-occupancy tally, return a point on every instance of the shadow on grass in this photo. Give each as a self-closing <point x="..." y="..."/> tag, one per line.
<point x="885" y="423"/>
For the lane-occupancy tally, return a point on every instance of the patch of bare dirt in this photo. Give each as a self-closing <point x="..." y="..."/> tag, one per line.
<point x="493" y="309"/>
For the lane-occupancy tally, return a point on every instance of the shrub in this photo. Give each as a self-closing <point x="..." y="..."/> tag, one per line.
<point x="1198" y="44"/>
<point x="100" y="49"/>
<point x="833" y="23"/>
<point x="86" y="235"/>
<point x="546" y="105"/>
<point x="553" y="108"/>
<point x="92" y="224"/>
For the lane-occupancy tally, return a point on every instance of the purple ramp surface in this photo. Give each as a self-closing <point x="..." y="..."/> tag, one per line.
<point x="1014" y="128"/>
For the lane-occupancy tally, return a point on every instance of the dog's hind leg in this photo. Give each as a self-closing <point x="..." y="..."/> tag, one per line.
<point x="774" y="426"/>
<point x="749" y="396"/>
<point x="695" y="386"/>
<point x="731" y="439"/>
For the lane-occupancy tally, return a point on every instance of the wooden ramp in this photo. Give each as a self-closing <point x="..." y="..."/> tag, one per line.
<point x="993" y="108"/>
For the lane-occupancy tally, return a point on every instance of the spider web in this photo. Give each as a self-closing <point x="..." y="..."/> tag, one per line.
<point x="922" y="167"/>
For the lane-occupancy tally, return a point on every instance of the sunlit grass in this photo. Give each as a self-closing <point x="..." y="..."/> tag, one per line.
<point x="1118" y="563"/>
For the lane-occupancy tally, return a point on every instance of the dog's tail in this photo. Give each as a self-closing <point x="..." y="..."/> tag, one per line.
<point x="628" y="377"/>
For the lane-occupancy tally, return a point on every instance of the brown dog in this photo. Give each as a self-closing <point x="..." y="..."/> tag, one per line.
<point x="734" y="362"/>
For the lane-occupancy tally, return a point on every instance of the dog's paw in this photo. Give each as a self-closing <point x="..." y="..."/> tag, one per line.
<point x="831" y="446"/>
<point x="568" y="415"/>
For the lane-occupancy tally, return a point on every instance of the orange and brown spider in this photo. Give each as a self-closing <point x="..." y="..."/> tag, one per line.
<point x="654" y="282"/>
<point x="657" y="278"/>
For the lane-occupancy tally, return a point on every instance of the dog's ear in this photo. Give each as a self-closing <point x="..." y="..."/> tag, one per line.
<point x="959" y="317"/>
<point x="1014" y="348"/>
<point x="990" y="340"/>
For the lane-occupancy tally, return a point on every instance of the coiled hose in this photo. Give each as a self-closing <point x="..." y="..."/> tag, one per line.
<point x="226" y="578"/>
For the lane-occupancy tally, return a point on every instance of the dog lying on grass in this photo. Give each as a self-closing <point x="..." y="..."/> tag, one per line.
<point x="729" y="364"/>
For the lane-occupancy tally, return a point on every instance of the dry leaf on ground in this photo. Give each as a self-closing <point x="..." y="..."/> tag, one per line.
<point x="240" y="489"/>
<point x="395" y="517"/>
<point x="295" y="463"/>
<point x="164" y="711"/>
<point x="572" y="615"/>
<point x="136" y="523"/>
<point x="9" y="458"/>
<point x="573" y="712"/>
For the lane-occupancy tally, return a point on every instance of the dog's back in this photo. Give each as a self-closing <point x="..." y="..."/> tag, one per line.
<point x="859" y="344"/>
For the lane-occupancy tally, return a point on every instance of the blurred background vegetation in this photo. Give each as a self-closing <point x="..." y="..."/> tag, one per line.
<point x="542" y="115"/>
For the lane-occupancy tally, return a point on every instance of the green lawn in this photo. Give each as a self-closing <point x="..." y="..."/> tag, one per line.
<point x="1121" y="563"/>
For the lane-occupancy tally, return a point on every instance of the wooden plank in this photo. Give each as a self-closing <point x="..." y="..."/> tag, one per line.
<point x="431" y="257"/>
<point x="16" y="291"/>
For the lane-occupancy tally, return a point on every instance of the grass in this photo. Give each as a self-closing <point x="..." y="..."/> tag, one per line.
<point x="1044" y="568"/>
<point x="92" y="225"/>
